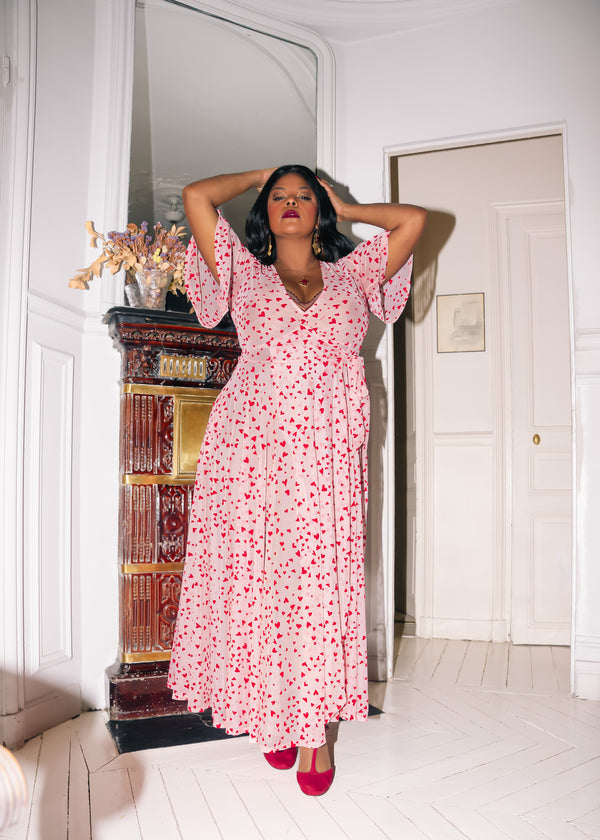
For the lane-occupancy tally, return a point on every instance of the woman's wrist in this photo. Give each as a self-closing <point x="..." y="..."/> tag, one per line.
<point x="263" y="176"/>
<point x="221" y="188"/>
<point x="347" y="212"/>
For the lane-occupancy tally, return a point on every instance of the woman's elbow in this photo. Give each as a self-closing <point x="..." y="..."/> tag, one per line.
<point x="420" y="218"/>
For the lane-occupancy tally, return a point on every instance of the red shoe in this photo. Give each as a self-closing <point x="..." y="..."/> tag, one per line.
<point x="314" y="783"/>
<point x="282" y="759"/>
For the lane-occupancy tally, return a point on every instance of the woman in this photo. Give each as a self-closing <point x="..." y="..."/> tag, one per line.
<point x="271" y="631"/>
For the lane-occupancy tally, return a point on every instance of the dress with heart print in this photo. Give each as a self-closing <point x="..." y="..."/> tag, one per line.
<point x="270" y="632"/>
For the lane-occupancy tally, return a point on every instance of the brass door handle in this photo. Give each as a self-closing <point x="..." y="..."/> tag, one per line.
<point x="536" y="439"/>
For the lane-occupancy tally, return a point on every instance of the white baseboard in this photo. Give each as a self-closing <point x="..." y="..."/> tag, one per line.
<point x="476" y="630"/>
<point x="36" y="718"/>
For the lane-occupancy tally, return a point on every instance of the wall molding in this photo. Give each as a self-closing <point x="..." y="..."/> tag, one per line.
<point x="482" y="437"/>
<point x="477" y="139"/>
<point x="112" y="93"/>
<point x="484" y="630"/>
<point x="586" y="667"/>
<point x="65" y="316"/>
<point x="351" y="22"/>
<point x="20" y="42"/>
<point x="48" y="495"/>
<point x="587" y="353"/>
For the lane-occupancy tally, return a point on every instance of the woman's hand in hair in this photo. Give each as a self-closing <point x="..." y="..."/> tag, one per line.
<point x="202" y="198"/>
<point x="265" y="174"/>
<point x="405" y="223"/>
<point x="336" y="201"/>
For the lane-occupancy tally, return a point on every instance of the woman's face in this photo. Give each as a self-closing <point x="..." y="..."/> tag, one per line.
<point x="292" y="207"/>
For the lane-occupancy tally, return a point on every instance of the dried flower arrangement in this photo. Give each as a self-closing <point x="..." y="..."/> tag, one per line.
<point x="136" y="250"/>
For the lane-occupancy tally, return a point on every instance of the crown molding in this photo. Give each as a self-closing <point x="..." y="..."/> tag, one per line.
<point x="358" y="20"/>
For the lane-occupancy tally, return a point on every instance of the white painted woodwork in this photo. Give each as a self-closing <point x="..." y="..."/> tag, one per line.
<point x="51" y="577"/>
<point x="410" y="489"/>
<point x="366" y="19"/>
<point x="476" y="740"/>
<point x="534" y="271"/>
<point x="112" y="809"/>
<point x="48" y="493"/>
<point x="378" y="374"/>
<point x="17" y="38"/>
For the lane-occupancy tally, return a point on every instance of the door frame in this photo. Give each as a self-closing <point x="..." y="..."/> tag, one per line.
<point x="424" y="501"/>
<point x="16" y="166"/>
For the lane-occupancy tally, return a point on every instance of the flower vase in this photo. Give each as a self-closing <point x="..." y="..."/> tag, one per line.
<point x="152" y="286"/>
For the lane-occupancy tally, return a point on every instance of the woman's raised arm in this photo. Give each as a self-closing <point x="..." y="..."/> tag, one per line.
<point x="201" y="199"/>
<point x="405" y="223"/>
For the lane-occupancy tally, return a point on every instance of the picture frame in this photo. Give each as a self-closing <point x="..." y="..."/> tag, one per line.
<point x="460" y="323"/>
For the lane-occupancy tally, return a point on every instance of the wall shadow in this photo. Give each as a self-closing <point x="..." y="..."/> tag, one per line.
<point x="440" y="226"/>
<point x="437" y="233"/>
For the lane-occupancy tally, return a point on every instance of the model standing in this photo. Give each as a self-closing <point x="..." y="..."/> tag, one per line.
<point x="271" y="630"/>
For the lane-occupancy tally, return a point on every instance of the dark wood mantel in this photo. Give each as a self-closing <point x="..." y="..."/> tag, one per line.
<point x="171" y="371"/>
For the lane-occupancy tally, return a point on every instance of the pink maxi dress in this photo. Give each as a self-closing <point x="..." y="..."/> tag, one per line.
<point x="270" y="632"/>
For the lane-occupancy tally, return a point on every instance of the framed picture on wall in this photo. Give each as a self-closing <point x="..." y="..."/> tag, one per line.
<point x="460" y="323"/>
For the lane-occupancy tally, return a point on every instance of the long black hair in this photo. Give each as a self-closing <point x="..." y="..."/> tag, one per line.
<point x="334" y="244"/>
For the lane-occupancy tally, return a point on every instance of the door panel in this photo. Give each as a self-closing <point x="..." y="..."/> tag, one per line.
<point x="541" y="432"/>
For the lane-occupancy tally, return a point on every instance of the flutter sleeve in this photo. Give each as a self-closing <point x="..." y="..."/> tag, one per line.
<point x="212" y="300"/>
<point x="368" y="263"/>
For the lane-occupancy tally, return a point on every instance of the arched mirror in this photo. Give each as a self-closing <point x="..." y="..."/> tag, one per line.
<point x="212" y="96"/>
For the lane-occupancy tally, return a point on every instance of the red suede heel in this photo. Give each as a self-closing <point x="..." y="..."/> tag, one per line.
<point x="282" y="759"/>
<point x="314" y="783"/>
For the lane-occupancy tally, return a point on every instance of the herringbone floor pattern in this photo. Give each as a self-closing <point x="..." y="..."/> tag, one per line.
<point x="477" y="740"/>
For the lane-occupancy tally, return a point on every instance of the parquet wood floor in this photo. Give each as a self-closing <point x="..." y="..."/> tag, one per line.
<point x="479" y="741"/>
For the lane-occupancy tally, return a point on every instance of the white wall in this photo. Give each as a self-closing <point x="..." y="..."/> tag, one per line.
<point x="509" y="67"/>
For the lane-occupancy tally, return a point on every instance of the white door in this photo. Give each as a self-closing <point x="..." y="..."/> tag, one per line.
<point x="536" y="274"/>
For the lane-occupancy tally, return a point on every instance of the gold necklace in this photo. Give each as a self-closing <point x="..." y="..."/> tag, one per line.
<point x="303" y="281"/>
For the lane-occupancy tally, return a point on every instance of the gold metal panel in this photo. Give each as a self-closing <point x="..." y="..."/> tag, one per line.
<point x="148" y="568"/>
<point x="147" y="656"/>
<point x="144" y="478"/>
<point x="182" y="367"/>
<point x="191" y="408"/>
<point x="190" y="416"/>
<point x="170" y="390"/>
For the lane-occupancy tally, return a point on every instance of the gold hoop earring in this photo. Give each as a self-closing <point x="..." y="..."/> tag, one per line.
<point x="270" y="248"/>
<point x="316" y="242"/>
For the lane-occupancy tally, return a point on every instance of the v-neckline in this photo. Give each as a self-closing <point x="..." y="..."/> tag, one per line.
<point x="303" y="306"/>
<point x="294" y="300"/>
